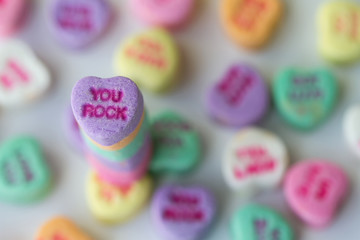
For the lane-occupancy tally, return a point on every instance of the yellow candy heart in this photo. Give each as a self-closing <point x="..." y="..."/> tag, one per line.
<point x="60" y="228"/>
<point x="111" y="204"/>
<point x="150" y="59"/>
<point x="339" y="31"/>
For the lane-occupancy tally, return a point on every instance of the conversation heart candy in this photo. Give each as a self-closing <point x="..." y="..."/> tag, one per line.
<point x="240" y="98"/>
<point x="164" y="13"/>
<point x="78" y="23"/>
<point x="23" y="77"/>
<point x="314" y="190"/>
<point x="305" y="98"/>
<point x="24" y="174"/>
<point x="72" y="131"/>
<point x="254" y="159"/>
<point x="177" y="146"/>
<point x="108" y="110"/>
<point x="339" y="33"/>
<point x="155" y="53"/>
<point x="11" y="14"/>
<point x="61" y="228"/>
<point x="112" y="204"/>
<point x="255" y="222"/>
<point x="351" y="128"/>
<point x="251" y="23"/>
<point x="182" y="213"/>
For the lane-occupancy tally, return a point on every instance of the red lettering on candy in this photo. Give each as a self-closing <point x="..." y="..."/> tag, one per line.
<point x="105" y="95"/>
<point x="13" y="73"/>
<point x="75" y="18"/>
<point x="353" y="30"/>
<point x="108" y="112"/>
<point x="183" y="199"/>
<point x="175" y="214"/>
<point x="247" y="13"/>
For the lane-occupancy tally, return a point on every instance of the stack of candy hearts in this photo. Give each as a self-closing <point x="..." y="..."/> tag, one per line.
<point x="115" y="129"/>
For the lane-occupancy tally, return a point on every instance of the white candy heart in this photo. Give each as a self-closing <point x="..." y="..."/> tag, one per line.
<point x="254" y="159"/>
<point x="351" y="128"/>
<point x="22" y="76"/>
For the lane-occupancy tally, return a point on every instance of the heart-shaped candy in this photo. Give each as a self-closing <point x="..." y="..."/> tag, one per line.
<point x="254" y="160"/>
<point x="155" y="53"/>
<point x="11" y="13"/>
<point x="255" y="222"/>
<point x="251" y="23"/>
<point x="305" y="98"/>
<point x="182" y="213"/>
<point x="164" y="13"/>
<point x="24" y="174"/>
<point x="22" y="76"/>
<point x="112" y="204"/>
<point x="314" y="190"/>
<point x="240" y="98"/>
<point x="107" y="110"/>
<point x="60" y="228"/>
<point x="176" y="144"/>
<point x="352" y="128"/>
<point x="339" y="35"/>
<point x="78" y="23"/>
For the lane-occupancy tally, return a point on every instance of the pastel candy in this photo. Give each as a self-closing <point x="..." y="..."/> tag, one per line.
<point x="107" y="110"/>
<point x="177" y="146"/>
<point x="112" y="204"/>
<point x="61" y="228"/>
<point x="164" y="13"/>
<point x="305" y="98"/>
<point x="351" y="128"/>
<point x="78" y="23"/>
<point x="23" y="77"/>
<point x="250" y="23"/>
<point x="338" y="27"/>
<point x="253" y="160"/>
<point x="314" y="190"/>
<point x="24" y="174"/>
<point x="254" y="222"/>
<point x="155" y="53"/>
<point x="11" y="14"/>
<point x="240" y="98"/>
<point x="182" y="213"/>
<point x="72" y="131"/>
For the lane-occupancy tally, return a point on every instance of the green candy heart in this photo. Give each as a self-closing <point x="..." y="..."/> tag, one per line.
<point x="305" y="99"/>
<point x="176" y="145"/>
<point x="255" y="222"/>
<point x="24" y="174"/>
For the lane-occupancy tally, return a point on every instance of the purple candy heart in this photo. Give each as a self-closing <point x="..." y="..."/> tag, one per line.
<point x="108" y="109"/>
<point x="240" y="98"/>
<point x="182" y="213"/>
<point x="77" y="23"/>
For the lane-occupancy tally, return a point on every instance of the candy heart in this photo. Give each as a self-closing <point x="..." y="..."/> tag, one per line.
<point x="165" y="13"/>
<point x="352" y="129"/>
<point x="78" y="23"/>
<point x="250" y="23"/>
<point x="22" y="76"/>
<point x="113" y="204"/>
<point x="176" y="144"/>
<point x="255" y="222"/>
<point x="155" y="53"/>
<point x="24" y="174"/>
<point x="305" y="98"/>
<point x="254" y="159"/>
<point x="182" y="213"/>
<point x="107" y="110"/>
<point x="314" y="190"/>
<point x="339" y="35"/>
<point x="11" y="12"/>
<point x="60" y="228"/>
<point x="240" y="98"/>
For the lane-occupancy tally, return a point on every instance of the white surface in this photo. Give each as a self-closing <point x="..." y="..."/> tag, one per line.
<point x="207" y="52"/>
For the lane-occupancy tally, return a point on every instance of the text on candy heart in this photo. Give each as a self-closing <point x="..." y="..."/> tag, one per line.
<point x="305" y="89"/>
<point x="148" y="52"/>
<point x="348" y="25"/>
<point x="184" y="207"/>
<point x="261" y="233"/>
<point x="75" y="17"/>
<point x="259" y="159"/>
<point x="11" y="170"/>
<point x="235" y="85"/>
<point x="104" y="95"/>
<point x="248" y="12"/>
<point x="13" y="73"/>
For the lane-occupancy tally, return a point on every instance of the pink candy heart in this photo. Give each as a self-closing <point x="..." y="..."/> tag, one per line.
<point x="314" y="190"/>
<point x="11" y="12"/>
